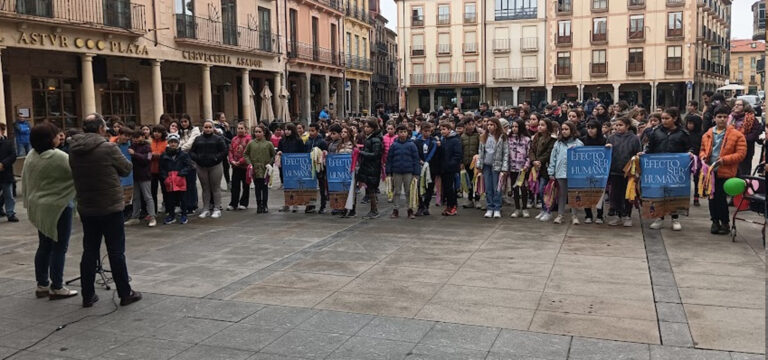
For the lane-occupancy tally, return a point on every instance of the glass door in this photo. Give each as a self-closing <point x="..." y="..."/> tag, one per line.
<point x="229" y="21"/>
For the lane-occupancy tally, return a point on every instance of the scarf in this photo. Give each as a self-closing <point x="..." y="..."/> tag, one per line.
<point x="746" y="125"/>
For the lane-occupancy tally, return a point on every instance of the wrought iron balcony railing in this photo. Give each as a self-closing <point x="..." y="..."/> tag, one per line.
<point x="516" y="74"/>
<point x="119" y="14"/>
<point x="358" y="62"/>
<point x="309" y="52"/>
<point x="223" y="34"/>
<point x="445" y="78"/>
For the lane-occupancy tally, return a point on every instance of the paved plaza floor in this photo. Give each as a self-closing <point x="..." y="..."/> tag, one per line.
<point x="296" y="286"/>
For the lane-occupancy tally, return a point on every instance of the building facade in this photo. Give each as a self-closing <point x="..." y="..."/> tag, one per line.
<point x="441" y="47"/>
<point x="745" y="56"/>
<point x="516" y="51"/>
<point x="62" y="60"/>
<point x="385" y="63"/>
<point x="661" y="53"/>
<point x="758" y="22"/>
<point x="359" y="67"/>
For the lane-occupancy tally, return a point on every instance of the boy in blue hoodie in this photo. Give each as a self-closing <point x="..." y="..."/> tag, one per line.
<point x="450" y="160"/>
<point x="429" y="153"/>
<point x="123" y="142"/>
<point x="403" y="163"/>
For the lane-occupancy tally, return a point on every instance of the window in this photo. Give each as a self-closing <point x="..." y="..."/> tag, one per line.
<point x="564" y="6"/>
<point x="174" y="99"/>
<point x="357" y="45"/>
<point x="444" y="72"/>
<point x="417" y="47"/>
<point x="563" y="64"/>
<point x="185" y="19"/>
<point x="753" y="63"/>
<point x="674" y="58"/>
<point x="564" y="32"/>
<point x="599" y="29"/>
<point x="417" y="16"/>
<point x="635" y="62"/>
<point x="443" y="43"/>
<point x="675" y="24"/>
<point x="515" y="9"/>
<point x="636" y="4"/>
<point x="265" y="29"/>
<point x="55" y="99"/>
<point x="418" y="74"/>
<point x="229" y="22"/>
<point x="598" y="62"/>
<point x="120" y="98"/>
<point x="470" y="71"/>
<point x="443" y="14"/>
<point x="470" y="44"/>
<point x="470" y="13"/>
<point x="741" y="62"/>
<point x="637" y="27"/>
<point x="599" y="4"/>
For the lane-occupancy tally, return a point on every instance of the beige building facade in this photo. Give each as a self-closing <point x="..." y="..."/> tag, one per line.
<point x="122" y="59"/>
<point x="357" y="49"/>
<point x="745" y="56"/>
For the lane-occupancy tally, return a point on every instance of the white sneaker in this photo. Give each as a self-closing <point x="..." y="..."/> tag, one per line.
<point x="152" y="222"/>
<point x="559" y="219"/>
<point x="526" y="214"/>
<point x="588" y="220"/>
<point x="539" y="215"/>
<point x="241" y="207"/>
<point x="204" y="214"/>
<point x="615" y="221"/>
<point x="488" y="214"/>
<point x="546" y="217"/>
<point x="599" y="221"/>
<point x="230" y="208"/>
<point x="627" y="222"/>
<point x="676" y="225"/>
<point x="656" y="224"/>
<point x="63" y="293"/>
<point x="575" y="220"/>
<point x="515" y="214"/>
<point x="132" y="222"/>
<point x="497" y="214"/>
<point x="216" y="214"/>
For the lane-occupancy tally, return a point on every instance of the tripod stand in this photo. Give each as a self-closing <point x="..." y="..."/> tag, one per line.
<point x="102" y="272"/>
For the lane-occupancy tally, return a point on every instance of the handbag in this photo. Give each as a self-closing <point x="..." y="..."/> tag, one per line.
<point x="175" y="182"/>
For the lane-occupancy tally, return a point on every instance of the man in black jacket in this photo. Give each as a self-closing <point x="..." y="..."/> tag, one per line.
<point x="97" y="166"/>
<point x="7" y="159"/>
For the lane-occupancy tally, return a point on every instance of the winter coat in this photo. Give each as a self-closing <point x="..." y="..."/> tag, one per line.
<point x="558" y="160"/>
<point x="624" y="147"/>
<point x="48" y="189"/>
<point x="141" y="159"/>
<point x="696" y="133"/>
<point x="370" y="159"/>
<point x="747" y="124"/>
<point x="208" y="150"/>
<point x="97" y="166"/>
<point x="452" y="154"/>
<point x="317" y="142"/>
<point x="662" y="140"/>
<point x="126" y="181"/>
<point x="598" y="140"/>
<point x="7" y="158"/>
<point x="158" y="148"/>
<point x="387" y="141"/>
<point x="175" y="160"/>
<point x="470" y="144"/>
<point x="500" y="155"/>
<point x="541" y="149"/>
<point x="187" y="138"/>
<point x="430" y="153"/>
<point x="338" y="147"/>
<point x="733" y="150"/>
<point x="291" y="145"/>
<point x="22" y="131"/>
<point x="518" y="152"/>
<point x="403" y="158"/>
<point x="236" y="150"/>
<point x="259" y="154"/>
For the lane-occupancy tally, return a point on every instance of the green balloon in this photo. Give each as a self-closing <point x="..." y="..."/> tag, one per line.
<point x="734" y="186"/>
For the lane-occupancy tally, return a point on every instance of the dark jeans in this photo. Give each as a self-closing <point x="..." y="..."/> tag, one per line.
<point x="190" y="196"/>
<point x="50" y="255"/>
<point x="322" y="182"/>
<point x="225" y="165"/>
<point x="718" y="205"/>
<point x="110" y="227"/>
<point x="745" y="167"/>
<point x="426" y="198"/>
<point x="262" y="192"/>
<point x="175" y="199"/>
<point x="238" y="182"/>
<point x="157" y="181"/>
<point x="619" y="204"/>
<point x="519" y="192"/>
<point x="448" y="182"/>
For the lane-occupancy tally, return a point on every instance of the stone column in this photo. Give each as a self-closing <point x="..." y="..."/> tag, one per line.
<point x="341" y="95"/>
<point x="652" y="106"/>
<point x="616" y="92"/>
<point x="355" y="92"/>
<point x="207" y="97"/>
<point x="431" y="100"/>
<point x="688" y="93"/>
<point x="307" y="97"/>
<point x="370" y="105"/>
<point x="87" y="90"/>
<point x="515" y="92"/>
<point x="245" y="98"/>
<point x="2" y="93"/>
<point x="458" y="98"/>
<point x="549" y="93"/>
<point x="157" y="90"/>
<point x="580" y="92"/>
<point x="325" y="91"/>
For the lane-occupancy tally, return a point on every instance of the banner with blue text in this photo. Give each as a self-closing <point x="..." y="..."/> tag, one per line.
<point x="588" y="170"/>
<point x="299" y="182"/>
<point x="339" y="178"/>
<point x="665" y="183"/>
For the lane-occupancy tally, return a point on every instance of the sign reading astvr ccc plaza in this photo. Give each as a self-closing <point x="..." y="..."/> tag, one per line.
<point x="54" y="40"/>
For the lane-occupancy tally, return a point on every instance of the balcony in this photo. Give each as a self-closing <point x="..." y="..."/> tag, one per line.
<point x="674" y="34"/>
<point x="203" y="31"/>
<point x="564" y="7"/>
<point x="417" y="21"/>
<point x="332" y="4"/>
<point x="635" y="68"/>
<point x="599" y="38"/>
<point x="529" y="44"/>
<point x="380" y="46"/>
<point x="308" y="52"/>
<point x="674" y="65"/>
<point x="470" y="48"/>
<point x="358" y="63"/>
<point x="417" y="50"/>
<point x="470" y="18"/>
<point x="564" y="40"/>
<point x="116" y="15"/>
<point x="444" y="50"/>
<point x="516" y="74"/>
<point x="675" y="3"/>
<point x="501" y="45"/>
<point x="358" y="13"/>
<point x="635" y="4"/>
<point x="598" y="6"/>
<point x="598" y="69"/>
<point x="636" y="35"/>
<point x="443" y="19"/>
<point x="563" y="70"/>
<point x="515" y="14"/>
<point x="445" y="78"/>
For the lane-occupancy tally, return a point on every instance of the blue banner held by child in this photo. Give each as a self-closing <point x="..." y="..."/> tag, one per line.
<point x="297" y="172"/>
<point x="338" y="171"/>
<point x="588" y="167"/>
<point x="665" y="176"/>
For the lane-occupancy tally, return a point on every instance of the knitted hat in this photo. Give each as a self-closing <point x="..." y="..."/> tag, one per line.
<point x="173" y="137"/>
<point x="504" y="123"/>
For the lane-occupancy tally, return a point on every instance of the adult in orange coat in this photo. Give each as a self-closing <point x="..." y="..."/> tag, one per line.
<point x="723" y="148"/>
